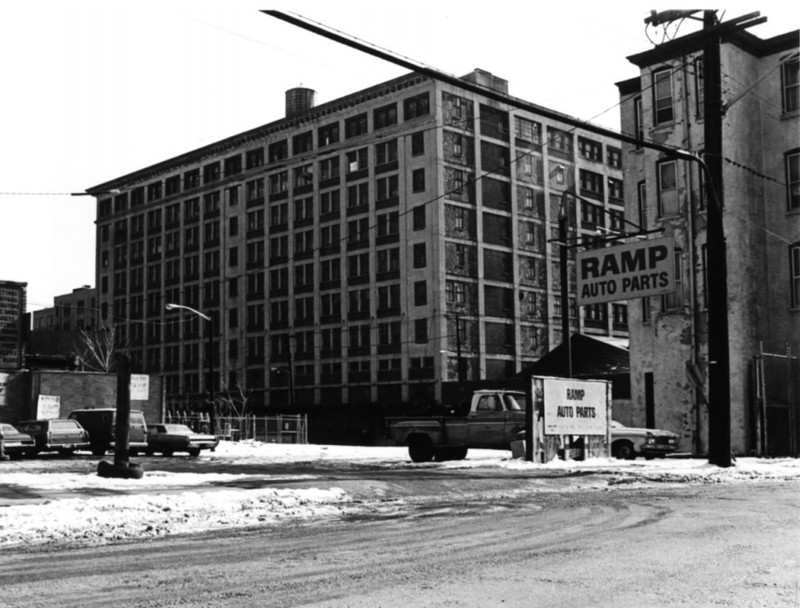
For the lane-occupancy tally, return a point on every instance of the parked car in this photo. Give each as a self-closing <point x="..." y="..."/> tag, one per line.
<point x="56" y="435"/>
<point x="15" y="443"/>
<point x="171" y="438"/>
<point x="629" y="442"/>
<point x="100" y="424"/>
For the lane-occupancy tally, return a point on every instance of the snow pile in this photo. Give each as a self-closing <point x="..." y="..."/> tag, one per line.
<point x="114" y="518"/>
<point x="52" y="503"/>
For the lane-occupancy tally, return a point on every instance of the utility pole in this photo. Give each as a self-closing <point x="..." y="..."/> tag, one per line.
<point x="719" y="409"/>
<point x="212" y="419"/>
<point x="461" y="375"/>
<point x="292" y="402"/>
<point x="566" y="340"/>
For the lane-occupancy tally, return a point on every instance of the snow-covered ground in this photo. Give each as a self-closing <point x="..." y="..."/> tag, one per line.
<point x="79" y="508"/>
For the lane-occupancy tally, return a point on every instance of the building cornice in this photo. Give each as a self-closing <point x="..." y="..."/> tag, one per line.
<point x="259" y="133"/>
<point x="694" y="42"/>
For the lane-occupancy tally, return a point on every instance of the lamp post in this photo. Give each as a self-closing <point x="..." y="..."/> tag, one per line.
<point x="212" y="418"/>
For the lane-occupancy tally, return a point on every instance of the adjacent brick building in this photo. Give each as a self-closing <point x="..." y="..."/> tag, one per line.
<point x="70" y="312"/>
<point x="761" y="192"/>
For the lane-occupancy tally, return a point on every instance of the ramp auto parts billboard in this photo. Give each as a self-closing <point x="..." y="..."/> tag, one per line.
<point x="625" y="272"/>
<point x="575" y="407"/>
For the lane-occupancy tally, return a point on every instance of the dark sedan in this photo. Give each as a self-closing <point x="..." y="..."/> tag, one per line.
<point x="16" y="443"/>
<point x="171" y="438"/>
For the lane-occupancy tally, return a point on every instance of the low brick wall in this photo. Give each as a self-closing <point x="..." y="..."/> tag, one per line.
<point x="76" y="390"/>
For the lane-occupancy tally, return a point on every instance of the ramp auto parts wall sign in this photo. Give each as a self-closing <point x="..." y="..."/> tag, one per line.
<point x="625" y="272"/>
<point x="575" y="407"/>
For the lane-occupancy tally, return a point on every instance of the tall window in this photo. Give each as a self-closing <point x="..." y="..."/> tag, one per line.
<point x="794" y="272"/>
<point x="356" y="160"/>
<point x="790" y="84"/>
<point x="699" y="86"/>
<point x="385" y="116"/>
<point x="386" y="152"/>
<point x="638" y="122"/>
<point x="668" y="188"/>
<point x="527" y="130"/>
<point x="418" y="105"/>
<point x="418" y="143"/>
<point x="674" y="300"/>
<point x="418" y="180"/>
<point x="592" y="184"/>
<point x="590" y="149"/>
<point x="793" y="180"/>
<point x="642" y="204"/>
<point x="615" y="189"/>
<point x="455" y="292"/>
<point x="662" y="96"/>
<point x="419" y="217"/>
<point x="328" y="134"/>
<point x="355" y="125"/>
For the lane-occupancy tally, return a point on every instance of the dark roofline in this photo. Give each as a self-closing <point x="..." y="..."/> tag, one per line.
<point x="259" y="132"/>
<point x="630" y="86"/>
<point x="694" y="42"/>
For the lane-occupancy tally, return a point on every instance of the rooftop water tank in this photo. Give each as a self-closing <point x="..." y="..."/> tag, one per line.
<point x="298" y="100"/>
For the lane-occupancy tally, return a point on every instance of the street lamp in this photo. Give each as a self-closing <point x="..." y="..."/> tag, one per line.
<point x="210" y="356"/>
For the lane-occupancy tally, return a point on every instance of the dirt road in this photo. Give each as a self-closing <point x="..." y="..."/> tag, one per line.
<point x="699" y="545"/>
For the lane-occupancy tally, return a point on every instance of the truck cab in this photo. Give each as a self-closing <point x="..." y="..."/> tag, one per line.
<point x="496" y="418"/>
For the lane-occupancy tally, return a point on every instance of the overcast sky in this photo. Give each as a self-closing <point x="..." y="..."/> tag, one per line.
<point x="94" y="89"/>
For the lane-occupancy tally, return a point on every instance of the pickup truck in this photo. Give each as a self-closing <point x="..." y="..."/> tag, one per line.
<point x="495" y="419"/>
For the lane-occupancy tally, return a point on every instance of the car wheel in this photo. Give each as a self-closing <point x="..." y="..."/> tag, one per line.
<point x="167" y="453"/>
<point x="133" y="452"/>
<point x="98" y="451"/>
<point x="194" y="452"/>
<point x="420" y="449"/>
<point x="66" y="452"/>
<point x="149" y="452"/>
<point x="624" y="451"/>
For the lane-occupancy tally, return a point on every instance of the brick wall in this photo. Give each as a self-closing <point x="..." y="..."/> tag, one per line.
<point x="76" y="390"/>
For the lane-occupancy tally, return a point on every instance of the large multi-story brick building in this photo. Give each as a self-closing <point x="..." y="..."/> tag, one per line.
<point x="365" y="250"/>
<point x="669" y="336"/>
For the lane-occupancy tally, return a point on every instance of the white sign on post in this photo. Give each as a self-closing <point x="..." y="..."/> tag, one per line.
<point x="575" y="407"/>
<point x="48" y="407"/>
<point x="140" y="387"/>
<point x="625" y="272"/>
<point x="3" y="382"/>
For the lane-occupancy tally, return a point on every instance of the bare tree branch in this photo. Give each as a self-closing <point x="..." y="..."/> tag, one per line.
<point x="97" y="349"/>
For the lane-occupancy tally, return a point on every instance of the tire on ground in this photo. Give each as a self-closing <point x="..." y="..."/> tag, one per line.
<point x="623" y="450"/>
<point x="420" y="448"/>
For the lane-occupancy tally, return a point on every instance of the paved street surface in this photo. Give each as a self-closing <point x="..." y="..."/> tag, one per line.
<point x="452" y="537"/>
